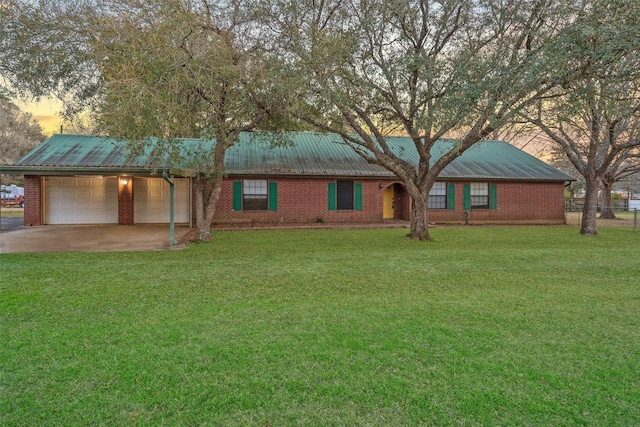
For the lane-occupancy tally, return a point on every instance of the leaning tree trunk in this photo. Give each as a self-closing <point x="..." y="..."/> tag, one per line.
<point x="208" y="187"/>
<point x="607" y="201"/>
<point x="590" y="211"/>
<point x="207" y="193"/>
<point x="419" y="218"/>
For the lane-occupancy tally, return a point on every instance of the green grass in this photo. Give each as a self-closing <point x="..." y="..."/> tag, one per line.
<point x="483" y="326"/>
<point x="629" y="215"/>
<point x="11" y="212"/>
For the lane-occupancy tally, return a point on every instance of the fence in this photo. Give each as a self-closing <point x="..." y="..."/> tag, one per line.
<point x="623" y="218"/>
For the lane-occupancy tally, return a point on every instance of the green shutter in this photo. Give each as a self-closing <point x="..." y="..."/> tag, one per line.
<point x="358" y="190"/>
<point x="273" y="196"/>
<point x="237" y="196"/>
<point x="451" y="197"/>
<point x="332" y="196"/>
<point x="467" y="196"/>
<point x="493" y="196"/>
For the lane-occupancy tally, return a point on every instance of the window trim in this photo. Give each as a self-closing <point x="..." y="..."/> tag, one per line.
<point x="442" y="201"/>
<point x="239" y="188"/>
<point x="333" y="201"/>
<point x="482" y="197"/>
<point x="255" y="192"/>
<point x="343" y="202"/>
<point x="491" y="196"/>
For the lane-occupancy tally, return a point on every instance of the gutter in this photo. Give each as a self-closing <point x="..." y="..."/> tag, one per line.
<point x="53" y="170"/>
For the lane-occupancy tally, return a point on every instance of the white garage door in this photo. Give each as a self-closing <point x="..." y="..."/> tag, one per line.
<point x="151" y="200"/>
<point x="78" y="200"/>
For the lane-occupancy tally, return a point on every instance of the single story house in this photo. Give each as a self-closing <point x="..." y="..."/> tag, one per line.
<point x="75" y="179"/>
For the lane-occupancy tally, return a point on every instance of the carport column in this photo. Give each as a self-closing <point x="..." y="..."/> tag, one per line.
<point x="125" y="200"/>
<point x="170" y="180"/>
<point x="33" y="194"/>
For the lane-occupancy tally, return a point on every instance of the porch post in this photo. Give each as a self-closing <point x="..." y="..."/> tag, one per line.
<point x="170" y="180"/>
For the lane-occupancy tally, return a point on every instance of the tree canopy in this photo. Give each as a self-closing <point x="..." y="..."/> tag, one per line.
<point x="369" y="69"/>
<point x="595" y="119"/>
<point x="364" y="69"/>
<point x="173" y="69"/>
<point x="44" y="52"/>
<point x="19" y="132"/>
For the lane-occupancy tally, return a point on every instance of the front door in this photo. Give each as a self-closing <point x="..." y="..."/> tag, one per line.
<point x="388" y="207"/>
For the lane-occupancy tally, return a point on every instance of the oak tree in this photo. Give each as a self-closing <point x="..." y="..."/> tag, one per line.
<point x="173" y="70"/>
<point x="161" y="69"/>
<point x="422" y="68"/>
<point x="19" y="133"/>
<point x="596" y="119"/>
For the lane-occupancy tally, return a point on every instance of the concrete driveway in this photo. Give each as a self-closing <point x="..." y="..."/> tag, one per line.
<point x="88" y="238"/>
<point x="11" y="222"/>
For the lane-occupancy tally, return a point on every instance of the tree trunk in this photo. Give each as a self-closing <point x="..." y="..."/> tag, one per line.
<point x="419" y="218"/>
<point x="208" y="188"/>
<point x="607" y="202"/>
<point x="207" y="193"/>
<point x="590" y="211"/>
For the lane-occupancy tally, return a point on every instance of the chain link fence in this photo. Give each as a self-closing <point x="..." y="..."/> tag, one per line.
<point x="623" y="217"/>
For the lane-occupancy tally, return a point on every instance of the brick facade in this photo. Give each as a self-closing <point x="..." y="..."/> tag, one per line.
<point x="32" y="200"/>
<point x="305" y="201"/>
<point x="125" y="201"/>
<point x="517" y="203"/>
<point x="308" y="179"/>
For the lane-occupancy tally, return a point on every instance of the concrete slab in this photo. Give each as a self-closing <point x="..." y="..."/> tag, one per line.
<point x="88" y="238"/>
<point x="141" y="237"/>
<point x="11" y="222"/>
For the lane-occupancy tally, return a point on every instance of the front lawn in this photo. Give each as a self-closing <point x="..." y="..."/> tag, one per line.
<point x="11" y="212"/>
<point x="483" y="326"/>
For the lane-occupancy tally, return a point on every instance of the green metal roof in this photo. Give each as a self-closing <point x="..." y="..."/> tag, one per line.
<point x="309" y="154"/>
<point x="79" y="151"/>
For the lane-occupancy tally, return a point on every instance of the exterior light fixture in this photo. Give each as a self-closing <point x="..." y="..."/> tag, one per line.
<point x="124" y="181"/>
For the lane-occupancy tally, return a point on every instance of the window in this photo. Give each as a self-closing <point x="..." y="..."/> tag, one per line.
<point x="438" y="196"/>
<point x="479" y="195"/>
<point x="254" y="195"/>
<point x="345" y="195"/>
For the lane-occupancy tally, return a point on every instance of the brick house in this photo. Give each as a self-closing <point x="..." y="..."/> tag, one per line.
<point x="73" y="179"/>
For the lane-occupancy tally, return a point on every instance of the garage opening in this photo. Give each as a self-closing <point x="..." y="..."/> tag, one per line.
<point x="81" y="200"/>
<point x="151" y="200"/>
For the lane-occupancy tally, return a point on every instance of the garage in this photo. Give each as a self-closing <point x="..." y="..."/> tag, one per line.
<point x="151" y="201"/>
<point x="81" y="200"/>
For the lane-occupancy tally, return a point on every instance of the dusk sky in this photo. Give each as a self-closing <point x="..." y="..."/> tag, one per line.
<point x="45" y="112"/>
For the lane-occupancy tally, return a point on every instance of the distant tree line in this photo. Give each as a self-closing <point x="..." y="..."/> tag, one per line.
<point x="19" y="133"/>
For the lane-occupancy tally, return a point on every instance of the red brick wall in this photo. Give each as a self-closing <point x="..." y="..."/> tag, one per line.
<point x="517" y="202"/>
<point x="304" y="201"/>
<point x="32" y="200"/>
<point x="125" y="201"/>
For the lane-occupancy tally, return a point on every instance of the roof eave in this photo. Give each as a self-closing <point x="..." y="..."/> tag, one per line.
<point x="503" y="179"/>
<point x="66" y="170"/>
<point x="392" y="177"/>
<point x="75" y="170"/>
